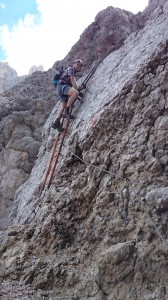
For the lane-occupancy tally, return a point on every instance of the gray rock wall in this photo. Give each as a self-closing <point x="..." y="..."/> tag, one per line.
<point x="110" y="27"/>
<point x="25" y="108"/>
<point x="100" y="231"/>
<point x="8" y="77"/>
<point x="23" y="111"/>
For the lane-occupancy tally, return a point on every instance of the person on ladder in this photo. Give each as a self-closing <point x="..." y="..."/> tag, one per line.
<point x="68" y="92"/>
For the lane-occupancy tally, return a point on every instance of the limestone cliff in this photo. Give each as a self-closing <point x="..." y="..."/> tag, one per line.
<point x="25" y="108"/>
<point x="8" y="77"/>
<point x="100" y="231"/>
<point x="36" y="69"/>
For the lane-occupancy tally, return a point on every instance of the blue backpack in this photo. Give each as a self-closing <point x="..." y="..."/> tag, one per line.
<point x="57" y="76"/>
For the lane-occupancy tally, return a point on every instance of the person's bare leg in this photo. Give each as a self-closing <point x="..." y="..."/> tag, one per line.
<point x="57" y="124"/>
<point x="62" y="107"/>
<point x="73" y="95"/>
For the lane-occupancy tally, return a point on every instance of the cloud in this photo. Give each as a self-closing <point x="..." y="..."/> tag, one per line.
<point x="19" y="43"/>
<point x="2" y="5"/>
<point x="48" y="36"/>
<point x="39" y="40"/>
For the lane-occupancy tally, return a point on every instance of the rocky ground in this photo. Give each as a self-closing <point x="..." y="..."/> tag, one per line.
<point x="100" y="231"/>
<point x="12" y="290"/>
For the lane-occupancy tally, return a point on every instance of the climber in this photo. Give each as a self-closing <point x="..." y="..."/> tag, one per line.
<point x="67" y="91"/>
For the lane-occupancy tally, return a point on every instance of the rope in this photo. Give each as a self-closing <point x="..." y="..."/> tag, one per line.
<point x="163" y="240"/>
<point x="86" y="163"/>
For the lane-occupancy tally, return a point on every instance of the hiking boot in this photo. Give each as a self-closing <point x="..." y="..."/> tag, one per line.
<point x="57" y="125"/>
<point x="66" y="114"/>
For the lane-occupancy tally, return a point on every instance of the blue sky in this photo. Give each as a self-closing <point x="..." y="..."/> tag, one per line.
<point x="12" y="10"/>
<point x="40" y="32"/>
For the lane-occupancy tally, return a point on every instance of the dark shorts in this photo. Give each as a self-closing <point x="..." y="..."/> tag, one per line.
<point x="62" y="91"/>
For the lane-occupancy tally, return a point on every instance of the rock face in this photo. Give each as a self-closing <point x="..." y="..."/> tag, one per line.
<point x="19" y="143"/>
<point x="110" y="27"/>
<point x="36" y="69"/>
<point x="23" y="111"/>
<point x="100" y="231"/>
<point x="8" y="77"/>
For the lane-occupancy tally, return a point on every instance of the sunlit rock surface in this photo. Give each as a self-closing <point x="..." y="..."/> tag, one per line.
<point x="100" y="231"/>
<point x="8" y="77"/>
